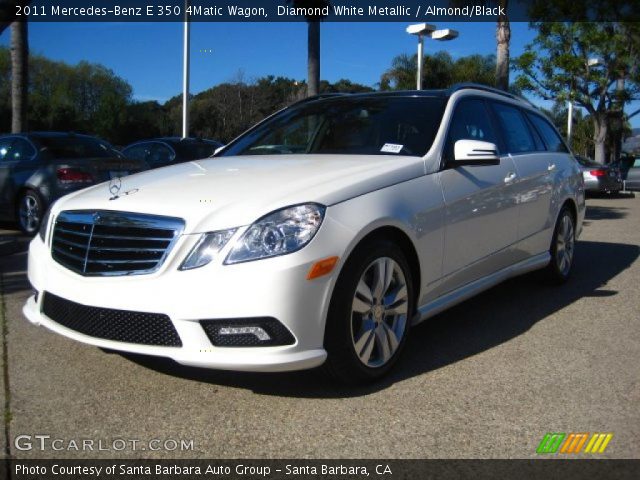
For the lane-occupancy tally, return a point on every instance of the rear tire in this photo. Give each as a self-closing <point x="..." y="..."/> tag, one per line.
<point x="29" y="210"/>
<point x="369" y="314"/>
<point x="562" y="247"/>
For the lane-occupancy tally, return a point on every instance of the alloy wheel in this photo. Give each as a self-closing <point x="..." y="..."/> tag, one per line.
<point x="29" y="213"/>
<point x="379" y="312"/>
<point x="565" y="244"/>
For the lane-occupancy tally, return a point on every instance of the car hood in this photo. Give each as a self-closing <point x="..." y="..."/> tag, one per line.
<point x="226" y="192"/>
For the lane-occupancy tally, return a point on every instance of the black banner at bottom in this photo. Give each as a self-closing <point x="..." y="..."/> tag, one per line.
<point x="145" y="469"/>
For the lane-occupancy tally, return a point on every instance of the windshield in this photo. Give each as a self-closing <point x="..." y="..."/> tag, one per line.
<point x="352" y="126"/>
<point x="77" y="147"/>
<point x="194" y="150"/>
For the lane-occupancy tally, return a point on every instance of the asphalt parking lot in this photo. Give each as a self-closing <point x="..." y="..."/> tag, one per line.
<point x="486" y="379"/>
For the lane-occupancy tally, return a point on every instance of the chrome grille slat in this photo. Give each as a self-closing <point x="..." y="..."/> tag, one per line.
<point x="72" y="232"/>
<point x="121" y="261"/>
<point x="68" y="254"/>
<point x="104" y="242"/>
<point x="156" y="239"/>
<point x="70" y="243"/>
<point x="132" y="249"/>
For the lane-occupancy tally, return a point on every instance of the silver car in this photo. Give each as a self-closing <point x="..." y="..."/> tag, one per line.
<point x="318" y="237"/>
<point x="599" y="178"/>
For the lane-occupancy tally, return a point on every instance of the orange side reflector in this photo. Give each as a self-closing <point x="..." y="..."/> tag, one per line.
<point x="322" y="267"/>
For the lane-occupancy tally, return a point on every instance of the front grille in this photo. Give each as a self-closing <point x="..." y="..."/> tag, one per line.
<point x="103" y="242"/>
<point x="277" y="332"/>
<point x="109" y="324"/>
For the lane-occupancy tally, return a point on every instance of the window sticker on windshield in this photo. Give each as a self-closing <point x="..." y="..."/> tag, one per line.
<point x="391" y="148"/>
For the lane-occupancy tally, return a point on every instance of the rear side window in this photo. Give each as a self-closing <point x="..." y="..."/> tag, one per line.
<point x="550" y="136"/>
<point x="137" y="152"/>
<point x="14" y="149"/>
<point x="516" y="133"/>
<point x="5" y="146"/>
<point x="22" y="151"/>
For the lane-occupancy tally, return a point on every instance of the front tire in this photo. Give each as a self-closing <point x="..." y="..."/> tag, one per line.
<point x="562" y="247"/>
<point x="370" y="313"/>
<point x="30" y="209"/>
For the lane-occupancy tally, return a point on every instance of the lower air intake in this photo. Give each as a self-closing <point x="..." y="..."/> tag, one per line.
<point x="109" y="324"/>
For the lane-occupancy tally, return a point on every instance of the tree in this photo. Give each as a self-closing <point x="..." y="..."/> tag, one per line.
<point x="500" y="77"/>
<point x="441" y="71"/>
<point x="313" y="41"/>
<point x="503" y="38"/>
<point x="559" y="66"/>
<point x="19" y="62"/>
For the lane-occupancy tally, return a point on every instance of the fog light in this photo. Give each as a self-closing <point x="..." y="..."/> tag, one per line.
<point x="247" y="332"/>
<point x="256" y="331"/>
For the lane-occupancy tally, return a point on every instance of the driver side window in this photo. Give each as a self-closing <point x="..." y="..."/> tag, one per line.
<point x="470" y="121"/>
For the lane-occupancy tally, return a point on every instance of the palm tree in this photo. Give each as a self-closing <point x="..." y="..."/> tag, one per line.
<point x="313" y="41"/>
<point x="19" y="62"/>
<point x="19" y="76"/>
<point x="503" y="37"/>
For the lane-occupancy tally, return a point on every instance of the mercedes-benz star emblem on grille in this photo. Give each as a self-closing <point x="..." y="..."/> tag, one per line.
<point x="115" y="184"/>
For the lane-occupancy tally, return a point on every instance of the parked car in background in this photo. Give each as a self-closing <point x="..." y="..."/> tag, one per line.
<point x="159" y="152"/>
<point x="393" y="207"/>
<point x="599" y="178"/>
<point x="39" y="167"/>
<point x="631" y="173"/>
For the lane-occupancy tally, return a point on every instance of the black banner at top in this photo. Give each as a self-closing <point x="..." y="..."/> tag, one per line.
<point x="327" y="10"/>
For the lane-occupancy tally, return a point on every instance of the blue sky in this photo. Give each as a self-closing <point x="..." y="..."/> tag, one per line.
<point x="149" y="55"/>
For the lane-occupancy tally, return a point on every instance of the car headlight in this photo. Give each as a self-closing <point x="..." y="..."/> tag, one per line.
<point x="207" y="248"/>
<point x="281" y="232"/>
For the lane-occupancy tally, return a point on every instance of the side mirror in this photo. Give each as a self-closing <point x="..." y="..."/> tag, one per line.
<point x="475" y="152"/>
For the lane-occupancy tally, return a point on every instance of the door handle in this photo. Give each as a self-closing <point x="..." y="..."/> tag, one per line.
<point x="551" y="166"/>
<point x="511" y="176"/>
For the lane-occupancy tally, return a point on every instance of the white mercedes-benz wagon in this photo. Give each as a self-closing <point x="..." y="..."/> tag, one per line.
<point x="318" y="237"/>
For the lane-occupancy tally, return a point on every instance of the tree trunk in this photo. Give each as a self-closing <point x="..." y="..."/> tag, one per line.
<point x="503" y="37"/>
<point x="600" y="129"/>
<point x="19" y="76"/>
<point x="313" y="59"/>
<point x="618" y="122"/>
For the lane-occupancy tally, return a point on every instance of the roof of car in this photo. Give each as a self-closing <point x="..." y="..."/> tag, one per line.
<point x="442" y="93"/>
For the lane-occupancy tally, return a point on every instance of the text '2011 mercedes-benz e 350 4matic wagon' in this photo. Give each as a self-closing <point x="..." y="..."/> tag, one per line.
<point x="319" y="236"/>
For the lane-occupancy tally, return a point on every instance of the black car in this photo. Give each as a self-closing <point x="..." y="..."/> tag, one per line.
<point x="39" y="167"/>
<point x="159" y="152"/>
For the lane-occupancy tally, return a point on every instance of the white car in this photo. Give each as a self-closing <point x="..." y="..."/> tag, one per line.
<point x="320" y="236"/>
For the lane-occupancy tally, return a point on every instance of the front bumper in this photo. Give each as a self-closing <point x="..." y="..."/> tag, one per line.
<point x="275" y="287"/>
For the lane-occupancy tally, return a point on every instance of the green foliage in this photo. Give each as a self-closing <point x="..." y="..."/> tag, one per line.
<point x="440" y="71"/>
<point x="558" y="66"/>
<point x="90" y="98"/>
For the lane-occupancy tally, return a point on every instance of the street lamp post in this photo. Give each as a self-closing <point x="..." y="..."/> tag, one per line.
<point x="424" y="29"/>
<point x="185" y="73"/>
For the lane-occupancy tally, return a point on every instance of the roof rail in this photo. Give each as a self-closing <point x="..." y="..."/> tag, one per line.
<point x="320" y="96"/>
<point x="478" y="86"/>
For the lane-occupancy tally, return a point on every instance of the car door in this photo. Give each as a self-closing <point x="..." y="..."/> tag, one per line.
<point x="632" y="181"/>
<point x="535" y="167"/>
<point x="481" y="211"/>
